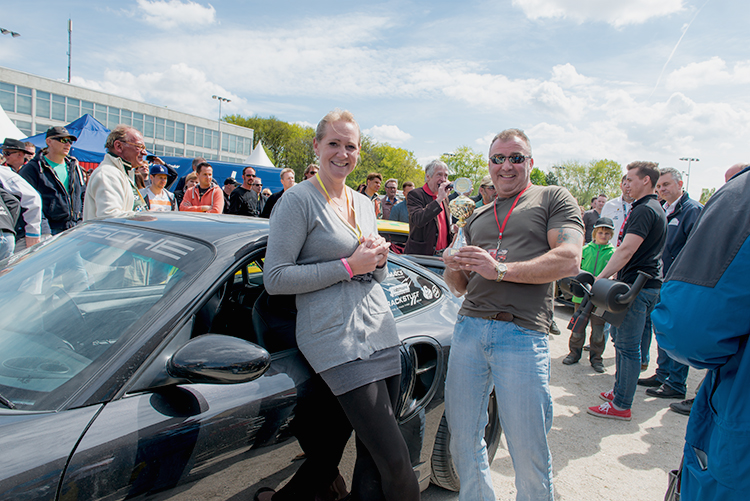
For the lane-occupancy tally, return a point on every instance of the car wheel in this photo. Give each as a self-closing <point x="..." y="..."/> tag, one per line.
<point x="443" y="470"/>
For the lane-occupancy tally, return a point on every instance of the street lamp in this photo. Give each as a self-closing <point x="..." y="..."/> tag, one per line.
<point x="226" y="101"/>
<point x="689" y="161"/>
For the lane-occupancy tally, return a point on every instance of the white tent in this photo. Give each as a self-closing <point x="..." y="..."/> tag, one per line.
<point x="8" y="128"/>
<point x="259" y="157"/>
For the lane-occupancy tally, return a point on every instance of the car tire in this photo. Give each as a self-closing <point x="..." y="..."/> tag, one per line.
<point x="443" y="470"/>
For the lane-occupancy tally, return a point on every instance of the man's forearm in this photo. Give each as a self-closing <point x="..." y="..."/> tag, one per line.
<point x="560" y="262"/>
<point x="456" y="281"/>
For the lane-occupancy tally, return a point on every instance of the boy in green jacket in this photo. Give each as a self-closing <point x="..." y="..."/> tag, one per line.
<point x="595" y="256"/>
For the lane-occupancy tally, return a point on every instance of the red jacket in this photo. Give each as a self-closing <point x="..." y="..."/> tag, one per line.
<point x="192" y="201"/>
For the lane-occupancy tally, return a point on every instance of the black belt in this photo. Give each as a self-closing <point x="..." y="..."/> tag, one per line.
<point x="503" y="316"/>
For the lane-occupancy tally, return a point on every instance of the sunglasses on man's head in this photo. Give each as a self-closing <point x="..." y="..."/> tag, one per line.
<point x="516" y="158"/>
<point x="64" y="140"/>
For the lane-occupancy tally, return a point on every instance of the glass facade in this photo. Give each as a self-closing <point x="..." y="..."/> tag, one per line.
<point x="164" y="137"/>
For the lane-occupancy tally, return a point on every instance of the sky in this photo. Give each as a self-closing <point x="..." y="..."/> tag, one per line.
<point x="621" y="80"/>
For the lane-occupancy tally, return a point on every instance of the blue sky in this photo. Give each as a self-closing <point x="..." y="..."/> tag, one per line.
<point x="586" y="79"/>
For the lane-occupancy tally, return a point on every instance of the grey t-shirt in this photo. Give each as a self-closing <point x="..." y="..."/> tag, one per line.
<point x="338" y="319"/>
<point x="540" y="209"/>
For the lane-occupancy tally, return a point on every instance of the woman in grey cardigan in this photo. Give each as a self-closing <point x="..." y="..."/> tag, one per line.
<point x="323" y="246"/>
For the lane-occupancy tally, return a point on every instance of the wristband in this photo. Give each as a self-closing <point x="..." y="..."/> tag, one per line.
<point x="348" y="268"/>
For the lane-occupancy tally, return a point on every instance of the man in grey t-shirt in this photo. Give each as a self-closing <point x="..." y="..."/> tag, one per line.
<point x="516" y="248"/>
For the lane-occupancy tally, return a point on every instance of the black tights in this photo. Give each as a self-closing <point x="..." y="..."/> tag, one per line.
<point x="383" y="469"/>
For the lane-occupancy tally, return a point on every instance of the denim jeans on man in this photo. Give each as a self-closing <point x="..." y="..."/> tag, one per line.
<point x="628" y="346"/>
<point x="517" y="362"/>
<point x="671" y="372"/>
<point x="7" y="244"/>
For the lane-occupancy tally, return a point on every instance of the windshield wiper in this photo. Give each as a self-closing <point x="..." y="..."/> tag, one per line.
<point x="7" y="403"/>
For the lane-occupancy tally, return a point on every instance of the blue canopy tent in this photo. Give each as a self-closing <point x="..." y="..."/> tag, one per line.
<point x="89" y="148"/>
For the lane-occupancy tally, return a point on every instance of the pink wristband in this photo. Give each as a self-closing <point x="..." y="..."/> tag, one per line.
<point x="348" y="268"/>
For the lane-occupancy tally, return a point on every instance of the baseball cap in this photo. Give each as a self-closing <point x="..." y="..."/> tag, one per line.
<point x="486" y="181"/>
<point x="231" y="180"/>
<point x="604" y="222"/>
<point x="158" y="169"/>
<point x="59" y="131"/>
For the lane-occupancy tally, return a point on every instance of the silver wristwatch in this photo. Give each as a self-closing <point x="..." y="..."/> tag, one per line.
<point x="500" y="268"/>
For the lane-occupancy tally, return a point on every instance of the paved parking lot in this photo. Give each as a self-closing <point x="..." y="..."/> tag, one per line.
<point x="594" y="458"/>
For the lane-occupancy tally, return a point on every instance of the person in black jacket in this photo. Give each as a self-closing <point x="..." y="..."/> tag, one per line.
<point x="59" y="180"/>
<point x="429" y="216"/>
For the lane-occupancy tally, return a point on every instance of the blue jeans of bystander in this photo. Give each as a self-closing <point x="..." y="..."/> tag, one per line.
<point x="7" y="244"/>
<point x="628" y="346"/>
<point x="671" y="372"/>
<point x="517" y="362"/>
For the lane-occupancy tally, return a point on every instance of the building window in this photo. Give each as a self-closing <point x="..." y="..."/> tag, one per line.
<point x="24" y="127"/>
<point x="87" y="108"/>
<point x="73" y="111"/>
<point x="169" y="130"/>
<point x="23" y="100"/>
<point x="8" y="97"/>
<point x="126" y="117"/>
<point x="190" y="133"/>
<point x="58" y="107"/>
<point x="159" y="128"/>
<point x="138" y="121"/>
<point x="100" y="113"/>
<point x="179" y="133"/>
<point x="148" y="126"/>
<point x="113" y="117"/>
<point x="42" y="104"/>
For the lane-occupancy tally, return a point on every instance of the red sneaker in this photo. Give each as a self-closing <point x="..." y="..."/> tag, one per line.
<point x="607" y="410"/>
<point x="607" y="396"/>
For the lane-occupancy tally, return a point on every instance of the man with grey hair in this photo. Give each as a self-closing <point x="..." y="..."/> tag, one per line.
<point x="682" y="213"/>
<point x="429" y="216"/>
<point x="287" y="181"/>
<point x="517" y="247"/>
<point x="111" y="190"/>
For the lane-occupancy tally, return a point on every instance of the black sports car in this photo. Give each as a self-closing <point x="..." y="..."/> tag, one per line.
<point x="136" y="362"/>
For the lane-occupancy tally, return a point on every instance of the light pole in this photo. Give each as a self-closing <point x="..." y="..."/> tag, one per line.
<point x="226" y="101"/>
<point x="689" y="161"/>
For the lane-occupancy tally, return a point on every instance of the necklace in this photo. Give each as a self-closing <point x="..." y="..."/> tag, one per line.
<point x="354" y="229"/>
<point x="328" y="197"/>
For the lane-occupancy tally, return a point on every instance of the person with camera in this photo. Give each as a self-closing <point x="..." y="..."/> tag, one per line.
<point x="429" y="215"/>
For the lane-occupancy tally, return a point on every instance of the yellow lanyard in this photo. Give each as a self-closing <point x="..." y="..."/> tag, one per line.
<point x="354" y="229"/>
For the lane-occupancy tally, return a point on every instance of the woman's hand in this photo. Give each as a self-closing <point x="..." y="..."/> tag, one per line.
<point x="372" y="252"/>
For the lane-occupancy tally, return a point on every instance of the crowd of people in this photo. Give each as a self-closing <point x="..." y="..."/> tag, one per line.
<point x="520" y="239"/>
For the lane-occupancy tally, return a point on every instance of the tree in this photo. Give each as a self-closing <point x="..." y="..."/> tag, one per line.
<point x="465" y="162"/>
<point x="588" y="180"/>
<point x="552" y="179"/>
<point x="706" y="194"/>
<point x="389" y="161"/>
<point x="288" y="145"/>
<point x="538" y="177"/>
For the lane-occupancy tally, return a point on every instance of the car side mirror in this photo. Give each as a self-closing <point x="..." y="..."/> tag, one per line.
<point x="218" y="359"/>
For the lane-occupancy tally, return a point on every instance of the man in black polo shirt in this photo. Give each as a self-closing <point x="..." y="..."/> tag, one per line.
<point x="244" y="200"/>
<point x="644" y="235"/>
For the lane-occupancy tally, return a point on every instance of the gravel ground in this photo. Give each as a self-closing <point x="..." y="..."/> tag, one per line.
<point x="593" y="458"/>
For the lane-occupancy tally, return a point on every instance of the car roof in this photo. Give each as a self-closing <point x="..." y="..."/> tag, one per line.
<point x="210" y="228"/>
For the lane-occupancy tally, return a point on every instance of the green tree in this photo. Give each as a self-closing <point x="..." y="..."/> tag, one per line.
<point x="465" y="162"/>
<point x="586" y="180"/>
<point x="389" y="161"/>
<point x="706" y="194"/>
<point x="552" y="179"/>
<point x="538" y="177"/>
<point x="287" y="145"/>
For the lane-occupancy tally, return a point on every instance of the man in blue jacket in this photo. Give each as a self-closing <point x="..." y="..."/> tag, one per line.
<point x="59" y="180"/>
<point x="682" y="212"/>
<point x="703" y="320"/>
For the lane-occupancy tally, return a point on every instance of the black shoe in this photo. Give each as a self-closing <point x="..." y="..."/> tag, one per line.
<point x="554" y="329"/>
<point x="571" y="359"/>
<point x="651" y="382"/>
<point x="261" y="491"/>
<point x="598" y="367"/>
<point x="682" y="407"/>
<point x="664" y="391"/>
<point x="587" y="347"/>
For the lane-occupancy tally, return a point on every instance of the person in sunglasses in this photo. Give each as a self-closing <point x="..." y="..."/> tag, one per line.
<point x="517" y="247"/>
<point x="59" y="180"/>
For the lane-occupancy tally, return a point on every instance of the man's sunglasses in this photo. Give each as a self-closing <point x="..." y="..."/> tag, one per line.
<point x="248" y="175"/>
<point x="516" y="158"/>
<point x="256" y="184"/>
<point x="64" y="140"/>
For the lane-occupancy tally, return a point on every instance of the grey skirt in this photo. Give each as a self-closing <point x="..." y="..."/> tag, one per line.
<point x="351" y="375"/>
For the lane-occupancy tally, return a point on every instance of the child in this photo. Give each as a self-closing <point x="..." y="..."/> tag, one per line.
<point x="596" y="254"/>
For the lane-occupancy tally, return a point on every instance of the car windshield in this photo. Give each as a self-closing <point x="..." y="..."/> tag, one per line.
<point x="68" y="304"/>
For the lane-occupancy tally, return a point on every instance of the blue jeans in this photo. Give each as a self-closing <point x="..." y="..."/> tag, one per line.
<point x="648" y="335"/>
<point x="628" y="338"/>
<point x="671" y="372"/>
<point x="7" y="244"/>
<point x="517" y="362"/>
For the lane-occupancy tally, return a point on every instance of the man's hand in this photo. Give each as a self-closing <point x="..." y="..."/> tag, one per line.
<point x="32" y="241"/>
<point x="474" y="259"/>
<point x="443" y="191"/>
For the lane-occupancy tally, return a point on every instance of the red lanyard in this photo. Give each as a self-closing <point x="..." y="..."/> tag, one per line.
<point x="501" y="229"/>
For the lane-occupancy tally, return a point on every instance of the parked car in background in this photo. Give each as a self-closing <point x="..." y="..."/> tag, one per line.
<point x="135" y="363"/>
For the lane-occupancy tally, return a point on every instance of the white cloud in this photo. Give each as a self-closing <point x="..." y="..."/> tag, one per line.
<point x="566" y="76"/>
<point x="712" y="72"/>
<point x="387" y="134"/>
<point x="172" y="13"/>
<point x="617" y="13"/>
